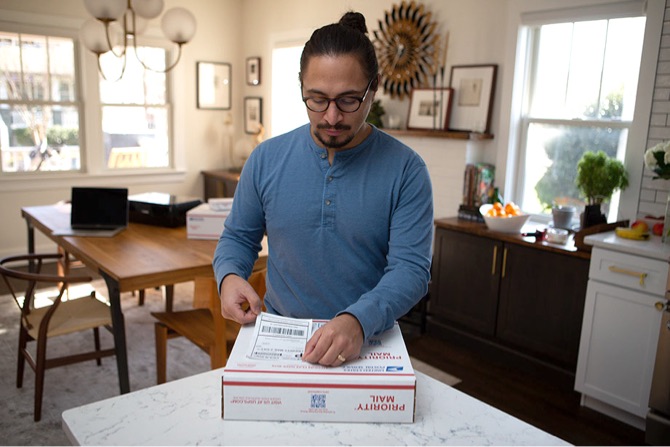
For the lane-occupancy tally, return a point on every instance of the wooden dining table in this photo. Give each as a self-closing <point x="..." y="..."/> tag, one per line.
<point x="139" y="257"/>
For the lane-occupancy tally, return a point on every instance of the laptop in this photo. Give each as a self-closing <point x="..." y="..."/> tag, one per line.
<point x="99" y="212"/>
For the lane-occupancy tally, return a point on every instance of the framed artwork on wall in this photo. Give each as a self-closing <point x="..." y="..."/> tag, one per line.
<point x="253" y="71"/>
<point x="429" y="108"/>
<point x="253" y="114"/>
<point x="474" y="88"/>
<point x="213" y="85"/>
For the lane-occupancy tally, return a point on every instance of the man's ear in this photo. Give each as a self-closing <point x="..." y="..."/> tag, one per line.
<point x="375" y="84"/>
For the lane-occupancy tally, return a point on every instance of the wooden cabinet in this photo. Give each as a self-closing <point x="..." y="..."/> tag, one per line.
<point x="220" y="183"/>
<point x="466" y="280"/>
<point x="518" y="295"/>
<point x="542" y="302"/>
<point x="619" y="335"/>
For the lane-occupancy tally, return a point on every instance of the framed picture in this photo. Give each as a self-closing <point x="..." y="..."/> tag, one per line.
<point x="429" y="108"/>
<point x="253" y="114"/>
<point x="474" y="88"/>
<point x="253" y="71"/>
<point x="213" y="84"/>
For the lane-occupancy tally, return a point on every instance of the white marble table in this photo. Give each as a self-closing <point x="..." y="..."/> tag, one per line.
<point x="188" y="412"/>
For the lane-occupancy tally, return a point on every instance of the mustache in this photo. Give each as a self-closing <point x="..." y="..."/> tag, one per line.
<point x="338" y="126"/>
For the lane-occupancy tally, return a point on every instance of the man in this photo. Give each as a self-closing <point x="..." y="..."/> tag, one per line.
<point x="347" y="209"/>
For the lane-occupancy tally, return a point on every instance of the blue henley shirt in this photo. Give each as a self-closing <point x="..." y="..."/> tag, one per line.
<point x="354" y="237"/>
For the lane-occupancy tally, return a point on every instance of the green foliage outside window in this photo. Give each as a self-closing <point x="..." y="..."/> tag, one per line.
<point x="567" y="149"/>
<point x="56" y="136"/>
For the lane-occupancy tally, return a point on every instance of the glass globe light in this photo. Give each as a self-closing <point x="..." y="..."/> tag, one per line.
<point x="106" y="10"/>
<point x="179" y="25"/>
<point x="149" y="9"/>
<point x="92" y="34"/>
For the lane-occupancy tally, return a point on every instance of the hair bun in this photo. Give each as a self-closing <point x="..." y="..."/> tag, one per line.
<point x="354" y="20"/>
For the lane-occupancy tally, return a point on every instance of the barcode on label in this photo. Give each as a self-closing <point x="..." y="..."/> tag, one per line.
<point x="282" y="331"/>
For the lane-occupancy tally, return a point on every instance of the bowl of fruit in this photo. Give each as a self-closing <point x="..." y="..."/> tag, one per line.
<point x="507" y="218"/>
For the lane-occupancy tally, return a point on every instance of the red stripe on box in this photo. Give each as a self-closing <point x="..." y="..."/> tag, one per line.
<point x="319" y="385"/>
<point x="352" y="374"/>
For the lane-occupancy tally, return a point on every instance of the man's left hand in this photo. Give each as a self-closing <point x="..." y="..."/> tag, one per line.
<point x="335" y="342"/>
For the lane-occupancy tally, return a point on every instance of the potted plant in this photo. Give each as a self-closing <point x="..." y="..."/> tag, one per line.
<point x="598" y="177"/>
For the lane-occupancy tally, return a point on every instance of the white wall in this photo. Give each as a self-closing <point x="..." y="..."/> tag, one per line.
<point x="481" y="31"/>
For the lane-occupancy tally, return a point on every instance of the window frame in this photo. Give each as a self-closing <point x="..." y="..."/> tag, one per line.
<point x="93" y="170"/>
<point x="526" y="119"/>
<point x="513" y="159"/>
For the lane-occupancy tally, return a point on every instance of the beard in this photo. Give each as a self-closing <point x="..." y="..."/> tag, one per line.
<point x="334" y="142"/>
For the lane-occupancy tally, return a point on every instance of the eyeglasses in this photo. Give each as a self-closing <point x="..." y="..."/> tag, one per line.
<point x="345" y="104"/>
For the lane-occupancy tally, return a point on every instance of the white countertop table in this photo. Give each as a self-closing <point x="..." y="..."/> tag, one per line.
<point x="652" y="248"/>
<point x="188" y="412"/>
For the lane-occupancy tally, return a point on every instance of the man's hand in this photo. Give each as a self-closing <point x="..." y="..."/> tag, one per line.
<point x="334" y="343"/>
<point x="239" y="301"/>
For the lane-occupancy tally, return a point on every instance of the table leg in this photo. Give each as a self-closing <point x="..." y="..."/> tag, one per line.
<point x="169" y="297"/>
<point x="31" y="244"/>
<point x="119" y="327"/>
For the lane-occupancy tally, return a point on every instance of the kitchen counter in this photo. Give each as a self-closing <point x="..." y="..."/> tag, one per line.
<point x="480" y="229"/>
<point x="188" y="411"/>
<point x="652" y="248"/>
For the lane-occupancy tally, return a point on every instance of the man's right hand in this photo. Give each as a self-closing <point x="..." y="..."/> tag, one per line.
<point x="239" y="301"/>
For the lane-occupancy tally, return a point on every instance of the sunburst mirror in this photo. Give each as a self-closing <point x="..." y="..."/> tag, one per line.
<point x="406" y="45"/>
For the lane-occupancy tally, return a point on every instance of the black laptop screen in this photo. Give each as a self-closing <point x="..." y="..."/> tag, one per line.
<point x="103" y="208"/>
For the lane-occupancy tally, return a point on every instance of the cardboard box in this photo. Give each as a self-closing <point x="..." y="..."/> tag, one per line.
<point x="380" y="386"/>
<point x="204" y="223"/>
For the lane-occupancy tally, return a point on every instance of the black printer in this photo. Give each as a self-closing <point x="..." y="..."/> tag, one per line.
<point x="161" y="209"/>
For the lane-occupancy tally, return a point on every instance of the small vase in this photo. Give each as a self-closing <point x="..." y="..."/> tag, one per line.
<point x="666" y="222"/>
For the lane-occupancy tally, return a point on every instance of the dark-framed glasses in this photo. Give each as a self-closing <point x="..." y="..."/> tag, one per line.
<point x="345" y="104"/>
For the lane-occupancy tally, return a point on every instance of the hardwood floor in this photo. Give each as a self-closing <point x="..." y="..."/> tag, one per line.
<point x="537" y="395"/>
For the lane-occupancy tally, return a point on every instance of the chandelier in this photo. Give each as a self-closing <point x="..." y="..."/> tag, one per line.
<point x="100" y="36"/>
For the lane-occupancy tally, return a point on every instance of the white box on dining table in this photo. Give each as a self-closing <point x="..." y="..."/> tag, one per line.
<point x="203" y="222"/>
<point x="379" y="386"/>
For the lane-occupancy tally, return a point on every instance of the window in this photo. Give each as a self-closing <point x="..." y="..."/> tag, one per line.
<point x="42" y="112"/>
<point x="581" y="79"/>
<point x="135" y="110"/>
<point x="288" y="110"/>
<point x="39" y="112"/>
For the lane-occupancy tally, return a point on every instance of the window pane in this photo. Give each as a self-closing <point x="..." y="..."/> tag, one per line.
<point x="138" y="85"/>
<point x="135" y="136"/>
<point x="35" y="64"/>
<point x="135" y="113"/>
<point x="288" y="110"/>
<point x="10" y="66"/>
<point x="587" y="69"/>
<point x="61" y="68"/>
<point x="39" y="129"/>
<point x="552" y="154"/>
<point x="30" y="141"/>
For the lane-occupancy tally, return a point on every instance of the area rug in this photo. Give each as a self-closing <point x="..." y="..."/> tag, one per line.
<point x="74" y="385"/>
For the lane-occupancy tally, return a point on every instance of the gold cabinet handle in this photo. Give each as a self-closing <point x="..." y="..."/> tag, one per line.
<point x="504" y="266"/>
<point x="659" y="305"/>
<point x="641" y="275"/>
<point x="493" y="264"/>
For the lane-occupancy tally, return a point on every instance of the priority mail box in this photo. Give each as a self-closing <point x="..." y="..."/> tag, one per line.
<point x="202" y="222"/>
<point x="379" y="386"/>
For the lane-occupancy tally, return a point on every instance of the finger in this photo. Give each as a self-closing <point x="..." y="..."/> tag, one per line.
<point x="312" y="354"/>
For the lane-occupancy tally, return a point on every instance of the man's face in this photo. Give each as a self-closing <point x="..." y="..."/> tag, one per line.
<point x="328" y="77"/>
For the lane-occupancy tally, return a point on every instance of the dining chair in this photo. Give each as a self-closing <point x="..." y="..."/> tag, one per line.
<point x="57" y="315"/>
<point x="203" y="325"/>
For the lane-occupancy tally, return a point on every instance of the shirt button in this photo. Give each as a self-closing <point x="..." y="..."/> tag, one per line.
<point x="327" y="202"/>
<point x="324" y="156"/>
<point x="330" y="178"/>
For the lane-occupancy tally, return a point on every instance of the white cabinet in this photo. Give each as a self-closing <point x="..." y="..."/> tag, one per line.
<point x="622" y="315"/>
